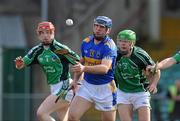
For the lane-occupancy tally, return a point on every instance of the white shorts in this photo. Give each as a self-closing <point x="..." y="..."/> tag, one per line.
<point x="63" y="85"/>
<point x="103" y="96"/>
<point x="138" y="99"/>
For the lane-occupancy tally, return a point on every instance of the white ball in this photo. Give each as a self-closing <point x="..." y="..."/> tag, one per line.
<point x="69" y="22"/>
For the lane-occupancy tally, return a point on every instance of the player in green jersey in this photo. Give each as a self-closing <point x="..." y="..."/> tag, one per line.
<point x="54" y="58"/>
<point x="167" y="62"/>
<point x="133" y="81"/>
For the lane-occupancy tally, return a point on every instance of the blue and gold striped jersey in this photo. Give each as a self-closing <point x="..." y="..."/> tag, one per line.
<point x="93" y="55"/>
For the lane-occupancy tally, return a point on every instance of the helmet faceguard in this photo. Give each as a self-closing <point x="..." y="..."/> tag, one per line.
<point x="126" y="35"/>
<point x="104" y="21"/>
<point x="45" y="26"/>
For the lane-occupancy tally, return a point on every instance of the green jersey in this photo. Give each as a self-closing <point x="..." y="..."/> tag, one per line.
<point x="129" y="71"/>
<point x="54" y="65"/>
<point x="177" y="57"/>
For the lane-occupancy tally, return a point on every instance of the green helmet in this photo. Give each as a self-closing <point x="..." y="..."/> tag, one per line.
<point x="127" y="35"/>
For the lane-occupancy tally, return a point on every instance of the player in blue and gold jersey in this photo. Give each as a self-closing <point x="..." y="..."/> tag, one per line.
<point x="97" y="63"/>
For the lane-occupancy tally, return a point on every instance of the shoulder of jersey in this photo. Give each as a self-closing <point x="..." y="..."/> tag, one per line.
<point x="87" y="39"/>
<point x="139" y="50"/>
<point x="110" y="43"/>
<point x="37" y="46"/>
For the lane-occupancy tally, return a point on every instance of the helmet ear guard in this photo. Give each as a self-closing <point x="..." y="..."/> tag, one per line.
<point x="126" y="35"/>
<point x="45" y="26"/>
<point x="104" y="21"/>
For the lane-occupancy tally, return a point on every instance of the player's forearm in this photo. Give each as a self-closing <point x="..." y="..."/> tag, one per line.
<point x="97" y="69"/>
<point x="166" y="63"/>
<point x="77" y="77"/>
<point x="81" y="77"/>
<point x="155" y="78"/>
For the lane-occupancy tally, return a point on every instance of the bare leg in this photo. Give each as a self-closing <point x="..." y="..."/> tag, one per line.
<point x="77" y="108"/>
<point x="144" y="114"/>
<point x="125" y="112"/>
<point x="108" y="116"/>
<point x="49" y="106"/>
<point x="63" y="113"/>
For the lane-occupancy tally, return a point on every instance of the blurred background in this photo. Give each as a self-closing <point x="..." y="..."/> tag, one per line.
<point x="156" y="22"/>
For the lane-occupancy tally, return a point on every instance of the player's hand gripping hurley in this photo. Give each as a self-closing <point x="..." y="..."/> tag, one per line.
<point x="155" y="69"/>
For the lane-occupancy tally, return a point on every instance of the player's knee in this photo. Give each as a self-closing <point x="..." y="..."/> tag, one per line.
<point x="72" y="117"/>
<point x="125" y="118"/>
<point x="40" y="114"/>
<point x="109" y="119"/>
<point x="143" y="119"/>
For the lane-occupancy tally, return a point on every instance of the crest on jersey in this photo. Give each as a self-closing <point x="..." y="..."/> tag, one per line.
<point x="53" y="58"/>
<point x="92" y="52"/>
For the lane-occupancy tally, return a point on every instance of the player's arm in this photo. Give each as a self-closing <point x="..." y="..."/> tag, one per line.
<point x="76" y="77"/>
<point x="102" y="68"/>
<point x="23" y="62"/>
<point x="27" y="59"/>
<point x="70" y="55"/>
<point x="153" y="75"/>
<point x="153" y="79"/>
<point x="73" y="55"/>
<point x="166" y="63"/>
